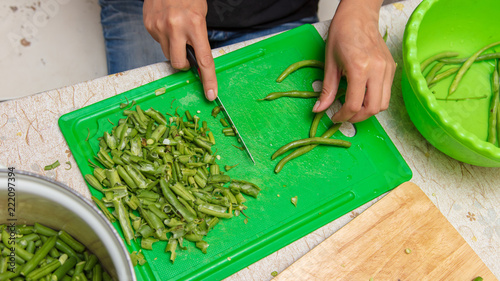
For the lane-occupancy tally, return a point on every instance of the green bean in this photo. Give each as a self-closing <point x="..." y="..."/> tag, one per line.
<point x="24" y="229"/>
<point x="315" y="123"/>
<point x="31" y="247"/>
<point x="169" y="195"/>
<point x="63" y="247"/>
<point x="498" y="117"/>
<point x="480" y="58"/>
<point x="72" y="242"/>
<point x="214" y="213"/>
<point x="103" y="208"/>
<point x="90" y="262"/>
<point x="436" y="57"/>
<point x="443" y="75"/>
<point x="123" y="219"/>
<point x="479" y="278"/>
<point x="94" y="182"/>
<point x="245" y="187"/>
<point x="466" y="65"/>
<point x="227" y="167"/>
<point x="432" y="73"/>
<point x="171" y="247"/>
<point x="52" y="166"/>
<point x="492" y="120"/>
<point x="43" y="230"/>
<point x="38" y="256"/>
<point x="310" y="141"/>
<point x="224" y="122"/>
<point x="97" y="273"/>
<point x="43" y="271"/>
<point x="63" y="269"/>
<point x="295" y="66"/>
<point x="304" y="149"/>
<point x="292" y="94"/>
<point x="78" y="270"/>
<point x="216" y="111"/>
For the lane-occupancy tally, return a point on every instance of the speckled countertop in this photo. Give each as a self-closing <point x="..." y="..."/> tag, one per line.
<point x="468" y="196"/>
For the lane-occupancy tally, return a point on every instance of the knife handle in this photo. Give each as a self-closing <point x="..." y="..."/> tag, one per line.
<point x="192" y="60"/>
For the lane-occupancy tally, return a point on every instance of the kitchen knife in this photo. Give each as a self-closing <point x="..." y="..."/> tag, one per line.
<point x="196" y="69"/>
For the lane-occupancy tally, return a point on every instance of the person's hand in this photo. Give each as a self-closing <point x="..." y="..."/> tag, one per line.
<point x="174" y="24"/>
<point x="355" y="49"/>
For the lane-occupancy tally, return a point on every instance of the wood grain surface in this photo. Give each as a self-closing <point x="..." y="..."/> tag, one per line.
<point x="374" y="245"/>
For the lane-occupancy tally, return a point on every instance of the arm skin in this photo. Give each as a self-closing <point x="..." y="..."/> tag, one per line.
<point x="355" y="49"/>
<point x="174" y="24"/>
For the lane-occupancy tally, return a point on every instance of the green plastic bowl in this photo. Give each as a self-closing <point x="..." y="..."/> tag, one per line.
<point x="457" y="128"/>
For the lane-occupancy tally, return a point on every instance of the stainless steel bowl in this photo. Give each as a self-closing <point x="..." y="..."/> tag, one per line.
<point x="42" y="200"/>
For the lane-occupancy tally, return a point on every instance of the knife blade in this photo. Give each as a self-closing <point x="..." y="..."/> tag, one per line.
<point x="196" y="69"/>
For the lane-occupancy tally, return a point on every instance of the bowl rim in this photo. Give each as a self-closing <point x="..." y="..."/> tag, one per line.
<point x="424" y="94"/>
<point x="86" y="202"/>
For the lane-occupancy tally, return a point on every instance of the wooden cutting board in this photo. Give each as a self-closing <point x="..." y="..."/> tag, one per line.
<point x="373" y="245"/>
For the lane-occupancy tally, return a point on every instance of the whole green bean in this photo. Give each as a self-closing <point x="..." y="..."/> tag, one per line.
<point x="492" y="120"/>
<point x="466" y="65"/>
<point x="436" y="57"/>
<point x="292" y="94"/>
<point x="295" y="66"/>
<point x="315" y="123"/>
<point x="309" y="141"/>
<point x="434" y="70"/>
<point x="304" y="149"/>
<point x="39" y="255"/>
<point x="443" y="75"/>
<point x="462" y="60"/>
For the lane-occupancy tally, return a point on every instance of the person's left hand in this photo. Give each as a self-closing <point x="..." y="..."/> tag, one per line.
<point x="355" y="49"/>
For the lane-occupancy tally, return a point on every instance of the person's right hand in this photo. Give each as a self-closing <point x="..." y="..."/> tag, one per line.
<point x="174" y="24"/>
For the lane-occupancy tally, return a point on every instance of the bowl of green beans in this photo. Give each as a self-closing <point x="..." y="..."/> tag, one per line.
<point x="50" y="232"/>
<point x="451" y="51"/>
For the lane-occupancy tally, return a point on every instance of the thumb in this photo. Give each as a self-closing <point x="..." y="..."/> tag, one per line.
<point x="330" y="85"/>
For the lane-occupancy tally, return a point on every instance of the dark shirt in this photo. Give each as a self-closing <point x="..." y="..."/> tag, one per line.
<point x="257" y="14"/>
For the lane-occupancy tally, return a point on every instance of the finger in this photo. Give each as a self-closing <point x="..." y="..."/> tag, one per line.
<point x="388" y="81"/>
<point x="178" y="57"/>
<point x="330" y="84"/>
<point x="164" y="43"/>
<point x="372" y="99"/>
<point x="353" y="102"/>
<point x="207" y="66"/>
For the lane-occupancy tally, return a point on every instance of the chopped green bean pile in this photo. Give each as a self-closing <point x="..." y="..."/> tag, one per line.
<point x="445" y="59"/>
<point x="161" y="178"/>
<point x="41" y="253"/>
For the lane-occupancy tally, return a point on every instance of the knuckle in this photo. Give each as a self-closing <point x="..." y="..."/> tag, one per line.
<point x="372" y="111"/>
<point x="179" y="64"/>
<point x="206" y="61"/>
<point x="352" y="108"/>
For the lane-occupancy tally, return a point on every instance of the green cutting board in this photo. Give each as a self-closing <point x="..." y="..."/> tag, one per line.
<point x="328" y="181"/>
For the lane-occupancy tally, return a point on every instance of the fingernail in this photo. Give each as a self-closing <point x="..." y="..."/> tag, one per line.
<point x="210" y="94"/>
<point x="316" y="105"/>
